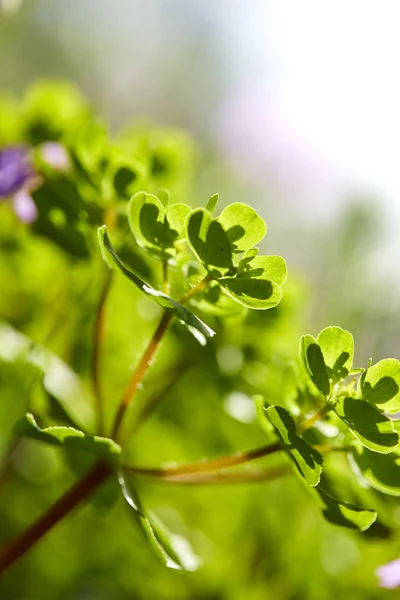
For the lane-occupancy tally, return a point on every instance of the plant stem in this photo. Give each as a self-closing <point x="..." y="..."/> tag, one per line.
<point x="144" y="363"/>
<point x="98" y="341"/>
<point x="250" y="476"/>
<point x="310" y="421"/>
<point x="199" y="287"/>
<point x="205" y="466"/>
<point x="166" y="289"/>
<point x="140" y="371"/>
<point x="17" y="547"/>
<point x="218" y="464"/>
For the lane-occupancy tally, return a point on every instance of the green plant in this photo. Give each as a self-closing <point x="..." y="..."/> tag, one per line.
<point x="188" y="262"/>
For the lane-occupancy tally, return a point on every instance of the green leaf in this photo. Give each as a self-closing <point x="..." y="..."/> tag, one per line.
<point x="243" y="226"/>
<point x="172" y="550"/>
<point x="212" y="203"/>
<point x="177" y="215"/>
<point x="270" y="268"/>
<point x="149" y="225"/>
<point x="313" y="360"/>
<point x="215" y="302"/>
<point x="19" y="380"/>
<point x="90" y="148"/>
<point x="262" y="418"/>
<point x="101" y="447"/>
<point x="184" y="315"/>
<point x="209" y="242"/>
<point x="123" y="176"/>
<point x="380" y="471"/>
<point x="165" y="196"/>
<point x="59" y="380"/>
<point x="52" y="108"/>
<point x="258" y="294"/>
<point x="63" y="214"/>
<point x="337" y="346"/>
<point x="307" y="460"/>
<point x="345" y="514"/>
<point x="371" y="428"/>
<point x="380" y="385"/>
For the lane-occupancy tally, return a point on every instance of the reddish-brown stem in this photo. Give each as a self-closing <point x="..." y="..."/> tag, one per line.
<point x="222" y="478"/>
<point x="205" y="466"/>
<point x="144" y="363"/>
<point x="17" y="547"/>
<point x="140" y="371"/>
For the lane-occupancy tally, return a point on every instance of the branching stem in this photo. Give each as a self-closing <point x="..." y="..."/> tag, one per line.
<point x="144" y="363"/>
<point x="310" y="421"/>
<point x="17" y="547"/>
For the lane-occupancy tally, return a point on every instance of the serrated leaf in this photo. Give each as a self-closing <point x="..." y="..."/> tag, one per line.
<point x="337" y="346"/>
<point x="380" y="471"/>
<point x="177" y="215"/>
<point x="380" y="385"/>
<point x="209" y="242"/>
<point x="253" y="293"/>
<point x="371" y="428"/>
<point x="243" y="226"/>
<point x="101" y="447"/>
<point x="181" y="312"/>
<point x="173" y="551"/>
<point x="313" y="360"/>
<point x="149" y="225"/>
<point x="307" y="460"/>
<point x="212" y="203"/>
<point x="345" y="514"/>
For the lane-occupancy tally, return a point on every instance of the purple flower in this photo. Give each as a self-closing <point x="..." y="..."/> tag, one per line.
<point x="55" y="155"/>
<point x="389" y="574"/>
<point x="15" y="170"/>
<point x="16" y="177"/>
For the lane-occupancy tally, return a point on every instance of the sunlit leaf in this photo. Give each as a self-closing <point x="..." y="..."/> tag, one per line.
<point x="337" y="346"/>
<point x="149" y="224"/>
<point x="345" y="514"/>
<point x="371" y="428"/>
<point x="172" y="550"/>
<point x="270" y="268"/>
<point x="209" y="242"/>
<point x="212" y="203"/>
<point x="243" y="226"/>
<point x="101" y="447"/>
<point x="380" y="471"/>
<point x="176" y="215"/>
<point x="380" y="385"/>
<point x="307" y="460"/>
<point x="258" y="294"/>
<point x="313" y="360"/>
<point x="181" y="312"/>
